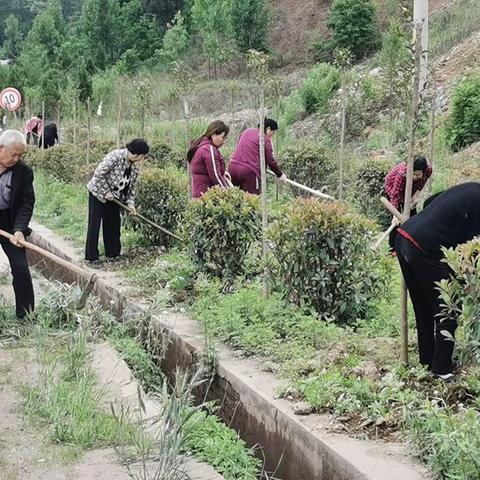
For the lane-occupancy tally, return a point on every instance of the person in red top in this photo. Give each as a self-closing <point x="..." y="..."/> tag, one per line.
<point x="395" y="186"/>
<point x="207" y="165"/>
<point x="33" y="129"/>
<point x="244" y="166"/>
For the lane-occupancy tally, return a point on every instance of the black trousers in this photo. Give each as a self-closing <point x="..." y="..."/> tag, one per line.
<point x="420" y="272"/>
<point x="107" y="214"/>
<point x="22" y="279"/>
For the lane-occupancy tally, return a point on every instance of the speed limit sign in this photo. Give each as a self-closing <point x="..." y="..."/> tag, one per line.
<point x="10" y="99"/>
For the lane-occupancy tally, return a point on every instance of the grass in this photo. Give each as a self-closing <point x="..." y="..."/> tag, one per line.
<point x="453" y="25"/>
<point x="61" y="207"/>
<point x="66" y="398"/>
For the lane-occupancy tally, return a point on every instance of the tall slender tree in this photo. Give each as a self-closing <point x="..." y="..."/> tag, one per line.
<point x="250" y="20"/>
<point x="13" y="37"/>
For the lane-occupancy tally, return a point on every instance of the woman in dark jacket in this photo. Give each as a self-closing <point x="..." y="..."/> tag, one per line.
<point x="207" y="165"/>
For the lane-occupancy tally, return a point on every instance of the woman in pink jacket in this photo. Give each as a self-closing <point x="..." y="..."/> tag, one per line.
<point x="244" y="166"/>
<point x="207" y="165"/>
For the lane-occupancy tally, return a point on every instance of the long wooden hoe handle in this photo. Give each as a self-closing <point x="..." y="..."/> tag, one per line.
<point x="383" y="236"/>
<point x="89" y="276"/>
<point x="399" y="216"/>
<point x="393" y="210"/>
<point x="314" y="192"/>
<point x="146" y="220"/>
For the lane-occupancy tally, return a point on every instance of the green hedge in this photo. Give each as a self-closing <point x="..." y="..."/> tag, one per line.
<point x="162" y="196"/>
<point x="368" y="188"/>
<point x="322" y="257"/>
<point x="310" y="164"/>
<point x="166" y="156"/>
<point x="221" y="227"/>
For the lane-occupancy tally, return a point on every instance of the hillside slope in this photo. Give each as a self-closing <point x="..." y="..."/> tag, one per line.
<point x="295" y="25"/>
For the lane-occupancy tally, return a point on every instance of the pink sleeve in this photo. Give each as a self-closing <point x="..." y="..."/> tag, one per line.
<point x="270" y="159"/>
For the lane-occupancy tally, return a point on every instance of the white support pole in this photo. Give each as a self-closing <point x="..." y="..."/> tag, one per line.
<point x="420" y="17"/>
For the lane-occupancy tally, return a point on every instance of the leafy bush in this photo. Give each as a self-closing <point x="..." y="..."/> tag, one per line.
<point x="67" y="162"/>
<point x="58" y="308"/>
<point x="463" y="127"/>
<point x="354" y="26"/>
<point x="322" y="258"/>
<point x="310" y="164"/>
<point x="162" y="197"/>
<point x="61" y="162"/>
<point x="221" y="227"/>
<point x="461" y="298"/>
<point x="368" y="188"/>
<point x="164" y="156"/>
<point x="322" y="82"/>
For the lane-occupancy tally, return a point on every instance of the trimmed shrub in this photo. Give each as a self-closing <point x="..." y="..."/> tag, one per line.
<point x="32" y="156"/>
<point x="61" y="162"/>
<point x="368" y="188"/>
<point x="310" y="164"/>
<point x="354" y="26"/>
<point x="102" y="147"/>
<point x="221" y="227"/>
<point x="463" y="127"/>
<point x="322" y="82"/>
<point x="164" y="156"/>
<point x="322" y="258"/>
<point x="161" y="196"/>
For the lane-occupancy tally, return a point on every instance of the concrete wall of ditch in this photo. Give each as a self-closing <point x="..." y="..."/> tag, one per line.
<point x="297" y="448"/>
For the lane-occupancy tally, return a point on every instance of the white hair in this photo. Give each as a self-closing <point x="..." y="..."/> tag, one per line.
<point x="12" y="137"/>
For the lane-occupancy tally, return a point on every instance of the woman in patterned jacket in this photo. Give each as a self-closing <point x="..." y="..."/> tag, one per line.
<point x="114" y="178"/>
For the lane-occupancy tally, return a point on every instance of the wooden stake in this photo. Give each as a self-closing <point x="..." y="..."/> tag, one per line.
<point x="58" y="117"/>
<point x="88" y="129"/>
<point x="43" y="124"/>
<point x="263" y="181"/>
<point x="433" y="125"/>
<point x="342" y="140"/>
<point x="119" y="113"/>
<point x="75" y="121"/>
<point x="409" y="182"/>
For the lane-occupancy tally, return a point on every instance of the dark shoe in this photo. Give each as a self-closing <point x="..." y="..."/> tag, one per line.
<point x="93" y="262"/>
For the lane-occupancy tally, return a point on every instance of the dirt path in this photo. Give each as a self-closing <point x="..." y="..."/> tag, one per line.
<point x="26" y="453"/>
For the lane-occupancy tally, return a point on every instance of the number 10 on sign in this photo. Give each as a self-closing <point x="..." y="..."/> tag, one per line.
<point x="10" y="99"/>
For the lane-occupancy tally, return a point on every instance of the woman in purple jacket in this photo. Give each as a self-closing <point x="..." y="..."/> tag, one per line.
<point x="207" y="165"/>
<point x="244" y="166"/>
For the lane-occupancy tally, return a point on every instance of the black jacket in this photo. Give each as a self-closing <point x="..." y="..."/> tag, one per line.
<point x="22" y="198"/>
<point x="451" y="219"/>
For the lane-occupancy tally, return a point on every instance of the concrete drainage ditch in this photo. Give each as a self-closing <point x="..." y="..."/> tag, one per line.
<point x="298" y="448"/>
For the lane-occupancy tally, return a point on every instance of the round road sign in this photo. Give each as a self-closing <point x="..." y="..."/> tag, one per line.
<point x="10" y="99"/>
